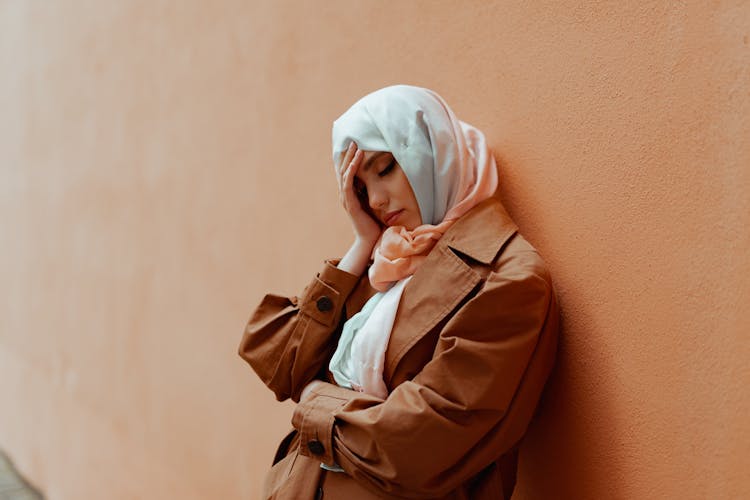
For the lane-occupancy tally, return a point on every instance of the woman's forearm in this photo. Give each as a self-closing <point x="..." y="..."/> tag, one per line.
<point x="356" y="259"/>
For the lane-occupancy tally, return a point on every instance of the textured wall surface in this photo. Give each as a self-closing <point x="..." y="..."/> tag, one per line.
<point x="165" y="164"/>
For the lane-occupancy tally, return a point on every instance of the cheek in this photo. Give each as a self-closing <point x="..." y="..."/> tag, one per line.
<point x="407" y="195"/>
<point x="409" y="201"/>
<point x="403" y="187"/>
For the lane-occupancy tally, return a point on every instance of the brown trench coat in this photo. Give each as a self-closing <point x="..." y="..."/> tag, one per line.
<point x="472" y="345"/>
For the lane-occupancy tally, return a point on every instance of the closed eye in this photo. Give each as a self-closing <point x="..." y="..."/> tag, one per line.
<point x="387" y="169"/>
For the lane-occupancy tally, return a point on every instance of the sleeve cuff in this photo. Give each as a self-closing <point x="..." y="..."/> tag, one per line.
<point x="338" y="278"/>
<point x="324" y="298"/>
<point x="314" y="419"/>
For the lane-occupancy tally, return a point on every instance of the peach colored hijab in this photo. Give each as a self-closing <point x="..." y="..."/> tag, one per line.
<point x="450" y="169"/>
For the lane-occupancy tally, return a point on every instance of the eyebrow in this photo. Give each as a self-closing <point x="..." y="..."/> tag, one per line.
<point x="372" y="159"/>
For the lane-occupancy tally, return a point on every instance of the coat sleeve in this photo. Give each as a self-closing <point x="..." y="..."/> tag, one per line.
<point x="470" y="404"/>
<point x="287" y="339"/>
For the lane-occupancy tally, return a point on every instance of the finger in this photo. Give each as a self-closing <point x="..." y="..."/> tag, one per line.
<point x="342" y="176"/>
<point x="346" y="180"/>
<point x="346" y="184"/>
<point x="348" y="154"/>
<point x="351" y="169"/>
<point x="352" y="196"/>
<point x="345" y="161"/>
<point x="356" y="160"/>
<point x="351" y="165"/>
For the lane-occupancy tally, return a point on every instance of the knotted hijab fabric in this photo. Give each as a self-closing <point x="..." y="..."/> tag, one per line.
<point x="450" y="169"/>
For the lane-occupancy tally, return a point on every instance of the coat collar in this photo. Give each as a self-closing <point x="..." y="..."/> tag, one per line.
<point x="481" y="231"/>
<point x="444" y="279"/>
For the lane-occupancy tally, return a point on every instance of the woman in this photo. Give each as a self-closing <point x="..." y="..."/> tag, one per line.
<point x="418" y="358"/>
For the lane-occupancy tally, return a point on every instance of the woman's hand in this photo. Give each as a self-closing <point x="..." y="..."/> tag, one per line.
<point x="366" y="229"/>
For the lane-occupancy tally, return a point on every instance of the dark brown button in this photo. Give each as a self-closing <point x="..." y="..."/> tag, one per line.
<point x="324" y="304"/>
<point x="316" y="447"/>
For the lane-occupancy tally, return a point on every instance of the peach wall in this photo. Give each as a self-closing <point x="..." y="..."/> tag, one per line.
<point x="164" y="164"/>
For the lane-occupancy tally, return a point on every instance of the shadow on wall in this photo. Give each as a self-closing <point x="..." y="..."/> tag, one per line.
<point x="12" y="485"/>
<point x="577" y="440"/>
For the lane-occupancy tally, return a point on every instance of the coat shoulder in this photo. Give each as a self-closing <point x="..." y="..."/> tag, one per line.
<point x="520" y="257"/>
<point x="490" y="237"/>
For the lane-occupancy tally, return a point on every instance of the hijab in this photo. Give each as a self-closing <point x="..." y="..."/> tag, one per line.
<point x="450" y="169"/>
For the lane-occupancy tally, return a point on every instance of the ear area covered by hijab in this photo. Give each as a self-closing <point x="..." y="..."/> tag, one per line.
<point x="450" y="169"/>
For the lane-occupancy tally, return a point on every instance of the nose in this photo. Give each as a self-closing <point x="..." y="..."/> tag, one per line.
<point x="377" y="199"/>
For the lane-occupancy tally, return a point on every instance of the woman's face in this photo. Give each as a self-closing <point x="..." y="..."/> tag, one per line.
<point x="383" y="188"/>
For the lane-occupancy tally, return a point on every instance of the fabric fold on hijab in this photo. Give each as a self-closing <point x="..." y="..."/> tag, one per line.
<point x="450" y="169"/>
<point x="399" y="252"/>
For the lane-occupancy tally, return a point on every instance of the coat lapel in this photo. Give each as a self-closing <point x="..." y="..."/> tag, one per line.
<point x="444" y="278"/>
<point x="437" y="287"/>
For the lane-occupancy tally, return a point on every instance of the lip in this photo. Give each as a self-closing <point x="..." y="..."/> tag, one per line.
<point x="391" y="216"/>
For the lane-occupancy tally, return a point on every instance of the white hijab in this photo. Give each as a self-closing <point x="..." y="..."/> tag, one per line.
<point x="449" y="167"/>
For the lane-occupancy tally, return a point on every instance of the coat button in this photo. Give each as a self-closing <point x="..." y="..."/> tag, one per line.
<point x="324" y="304"/>
<point x="316" y="447"/>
